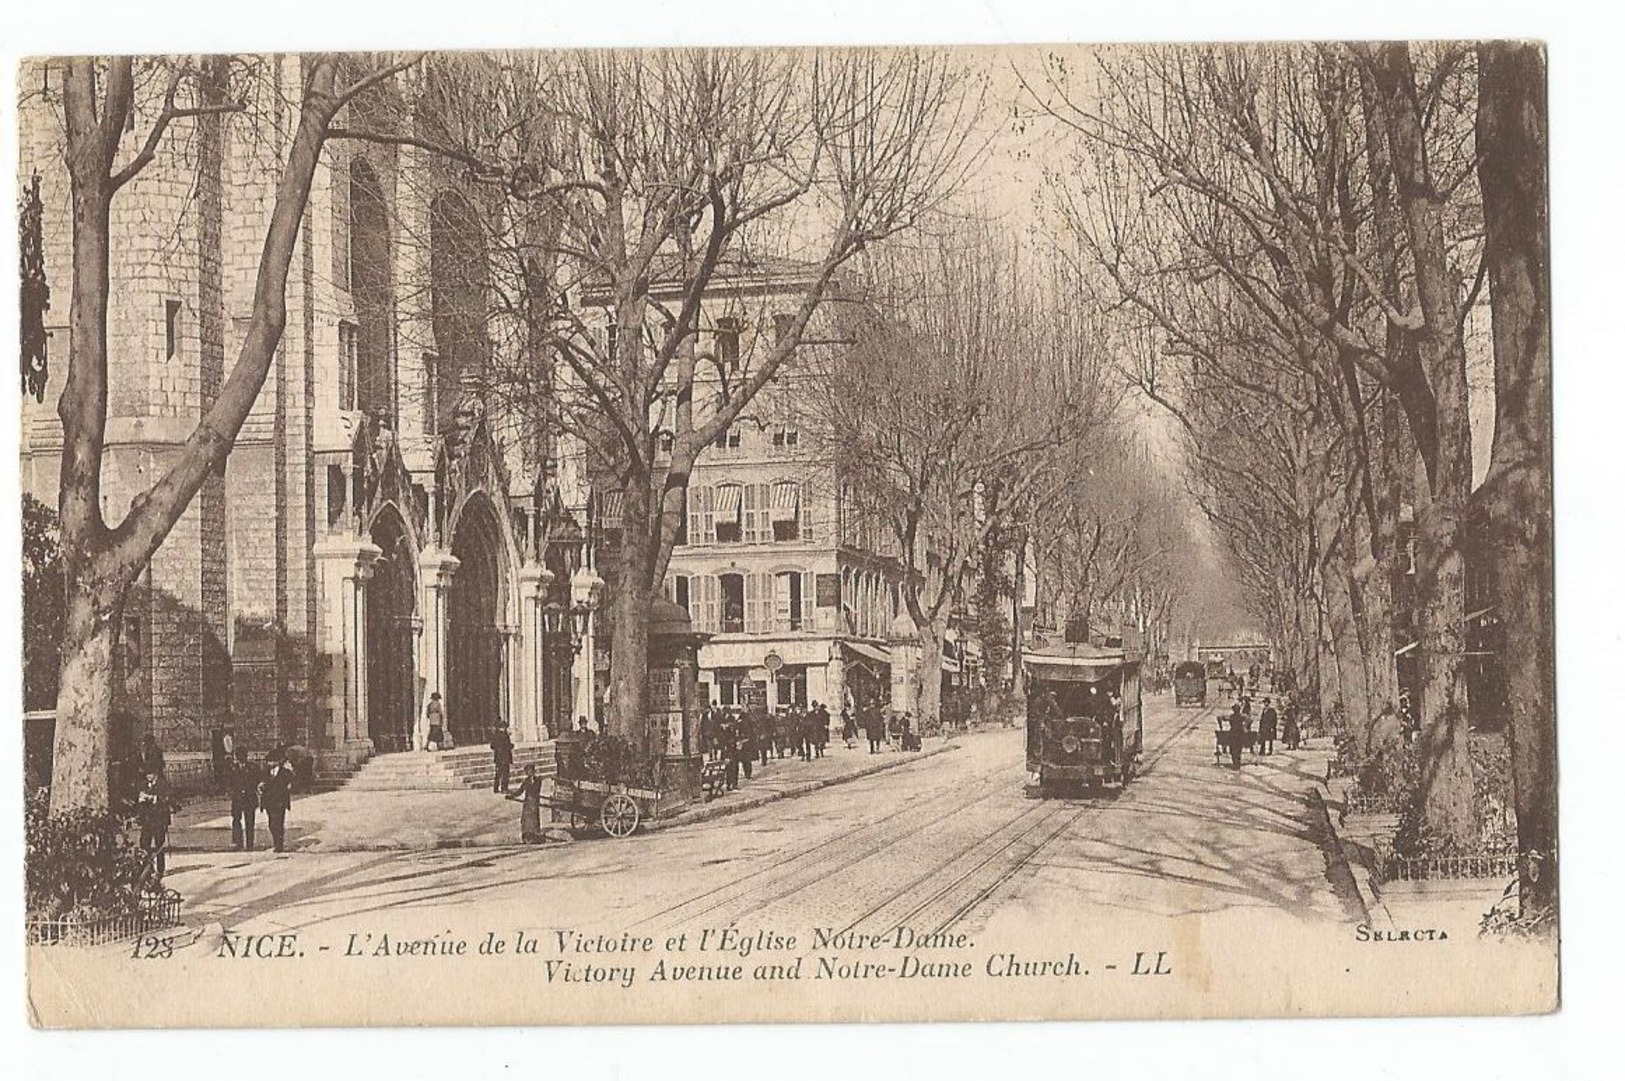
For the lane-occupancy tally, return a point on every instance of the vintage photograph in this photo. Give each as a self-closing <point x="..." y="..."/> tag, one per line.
<point x="845" y="534"/>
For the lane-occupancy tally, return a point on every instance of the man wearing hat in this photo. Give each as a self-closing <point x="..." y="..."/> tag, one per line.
<point x="502" y="751"/>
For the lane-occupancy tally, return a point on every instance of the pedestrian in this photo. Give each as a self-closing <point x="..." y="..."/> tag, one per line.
<point x="1290" y="732"/>
<point x="435" y="714"/>
<point x="874" y="727"/>
<point x="728" y="733"/>
<point x="155" y="808"/>
<point x="502" y="752"/>
<point x="152" y="756"/>
<point x="749" y="725"/>
<point x="529" y="796"/>
<point x="820" y="729"/>
<point x="276" y="795"/>
<point x="1266" y="727"/>
<point x="905" y="733"/>
<point x="244" y="784"/>
<point x="849" y="728"/>
<point x="1238" y="734"/>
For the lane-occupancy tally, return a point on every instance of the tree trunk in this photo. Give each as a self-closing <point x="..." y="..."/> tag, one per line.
<point x="84" y="706"/>
<point x="1370" y="583"/>
<point x="1446" y="795"/>
<point x="1447" y="781"/>
<point x="1018" y="638"/>
<point x="629" y="640"/>
<point x="1347" y="649"/>
<point x="928" y="689"/>
<point x="1516" y="499"/>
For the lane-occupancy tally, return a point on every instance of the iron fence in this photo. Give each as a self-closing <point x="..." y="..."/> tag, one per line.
<point x="1478" y="865"/>
<point x="156" y="913"/>
<point x="1370" y="805"/>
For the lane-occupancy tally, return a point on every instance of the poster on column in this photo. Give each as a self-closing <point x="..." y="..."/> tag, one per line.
<point x="1243" y="346"/>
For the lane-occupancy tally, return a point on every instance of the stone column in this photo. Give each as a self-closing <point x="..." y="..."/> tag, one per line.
<point x="835" y="682"/>
<point x="528" y="723"/>
<point x="585" y="676"/>
<point x="344" y="566"/>
<point x="435" y="568"/>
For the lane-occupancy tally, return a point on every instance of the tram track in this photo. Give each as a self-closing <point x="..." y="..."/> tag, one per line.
<point x="985" y="868"/>
<point x="766" y="885"/>
<point x="908" y="835"/>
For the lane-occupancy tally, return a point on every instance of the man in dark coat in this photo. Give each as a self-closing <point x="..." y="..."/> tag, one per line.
<point x="276" y="795"/>
<point x="502" y="752"/>
<point x="1238" y="735"/>
<point x="152" y="756"/>
<point x="155" y="807"/>
<point x="728" y="740"/>
<point x="244" y="785"/>
<point x="1266" y="728"/>
<point x="874" y="726"/>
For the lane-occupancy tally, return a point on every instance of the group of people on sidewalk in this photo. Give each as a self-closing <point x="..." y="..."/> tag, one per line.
<point x="251" y="787"/>
<point x="260" y="786"/>
<point x="1236" y="732"/>
<point x="744" y="738"/>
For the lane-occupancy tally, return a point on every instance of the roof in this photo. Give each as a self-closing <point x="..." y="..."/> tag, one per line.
<point x="873" y="653"/>
<point x="1076" y="661"/>
<point x="668" y="619"/>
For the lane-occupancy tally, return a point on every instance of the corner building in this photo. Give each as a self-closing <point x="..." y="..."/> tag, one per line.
<point x="797" y="589"/>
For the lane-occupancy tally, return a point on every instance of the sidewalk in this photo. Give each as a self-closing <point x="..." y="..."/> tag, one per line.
<point x="351" y="820"/>
<point x="1355" y="840"/>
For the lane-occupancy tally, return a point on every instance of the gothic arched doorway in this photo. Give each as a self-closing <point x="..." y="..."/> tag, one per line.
<point x="391" y="683"/>
<point x="474" y="698"/>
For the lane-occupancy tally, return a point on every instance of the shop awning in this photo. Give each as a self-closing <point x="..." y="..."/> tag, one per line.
<point x="1402" y="650"/>
<point x="612" y="509"/>
<point x="1480" y="614"/>
<point x="870" y="653"/>
<point x="786" y="501"/>
<point x="725" y="501"/>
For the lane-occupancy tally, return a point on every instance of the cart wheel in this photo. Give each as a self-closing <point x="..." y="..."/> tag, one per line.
<point x="578" y="824"/>
<point x="619" y="816"/>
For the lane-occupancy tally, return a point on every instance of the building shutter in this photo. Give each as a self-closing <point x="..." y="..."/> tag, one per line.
<point x="758" y="603"/>
<point x="710" y="596"/>
<point x="782" y="613"/>
<point x="809" y="606"/>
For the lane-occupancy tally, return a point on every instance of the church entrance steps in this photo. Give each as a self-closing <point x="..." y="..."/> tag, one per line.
<point x="460" y="768"/>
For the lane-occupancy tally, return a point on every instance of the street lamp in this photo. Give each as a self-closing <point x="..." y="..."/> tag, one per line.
<point x="586" y="594"/>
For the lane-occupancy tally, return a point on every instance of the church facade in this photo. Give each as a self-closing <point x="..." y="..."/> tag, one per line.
<point x="375" y="538"/>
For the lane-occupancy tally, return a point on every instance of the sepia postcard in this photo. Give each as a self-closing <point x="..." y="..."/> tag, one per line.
<point x="786" y="535"/>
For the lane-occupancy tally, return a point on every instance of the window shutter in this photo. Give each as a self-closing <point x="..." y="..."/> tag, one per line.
<point x="758" y="603"/>
<point x="698" y="531"/>
<point x="748" y="520"/>
<point x="710" y="596"/>
<point x="781" y="602"/>
<point x="805" y="527"/>
<point x="809" y="600"/>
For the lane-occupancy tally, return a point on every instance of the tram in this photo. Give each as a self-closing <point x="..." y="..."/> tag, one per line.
<point x="1190" y="684"/>
<point x="1085" y="724"/>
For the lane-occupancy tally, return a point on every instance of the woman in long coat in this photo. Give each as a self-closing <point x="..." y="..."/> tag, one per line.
<point x="529" y="795"/>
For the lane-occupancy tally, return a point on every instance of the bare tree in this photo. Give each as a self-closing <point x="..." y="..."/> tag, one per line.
<point x="975" y="391"/>
<point x="637" y="184"/>
<point x="1515" y="500"/>
<point x="1239" y="209"/>
<point x="101" y="561"/>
